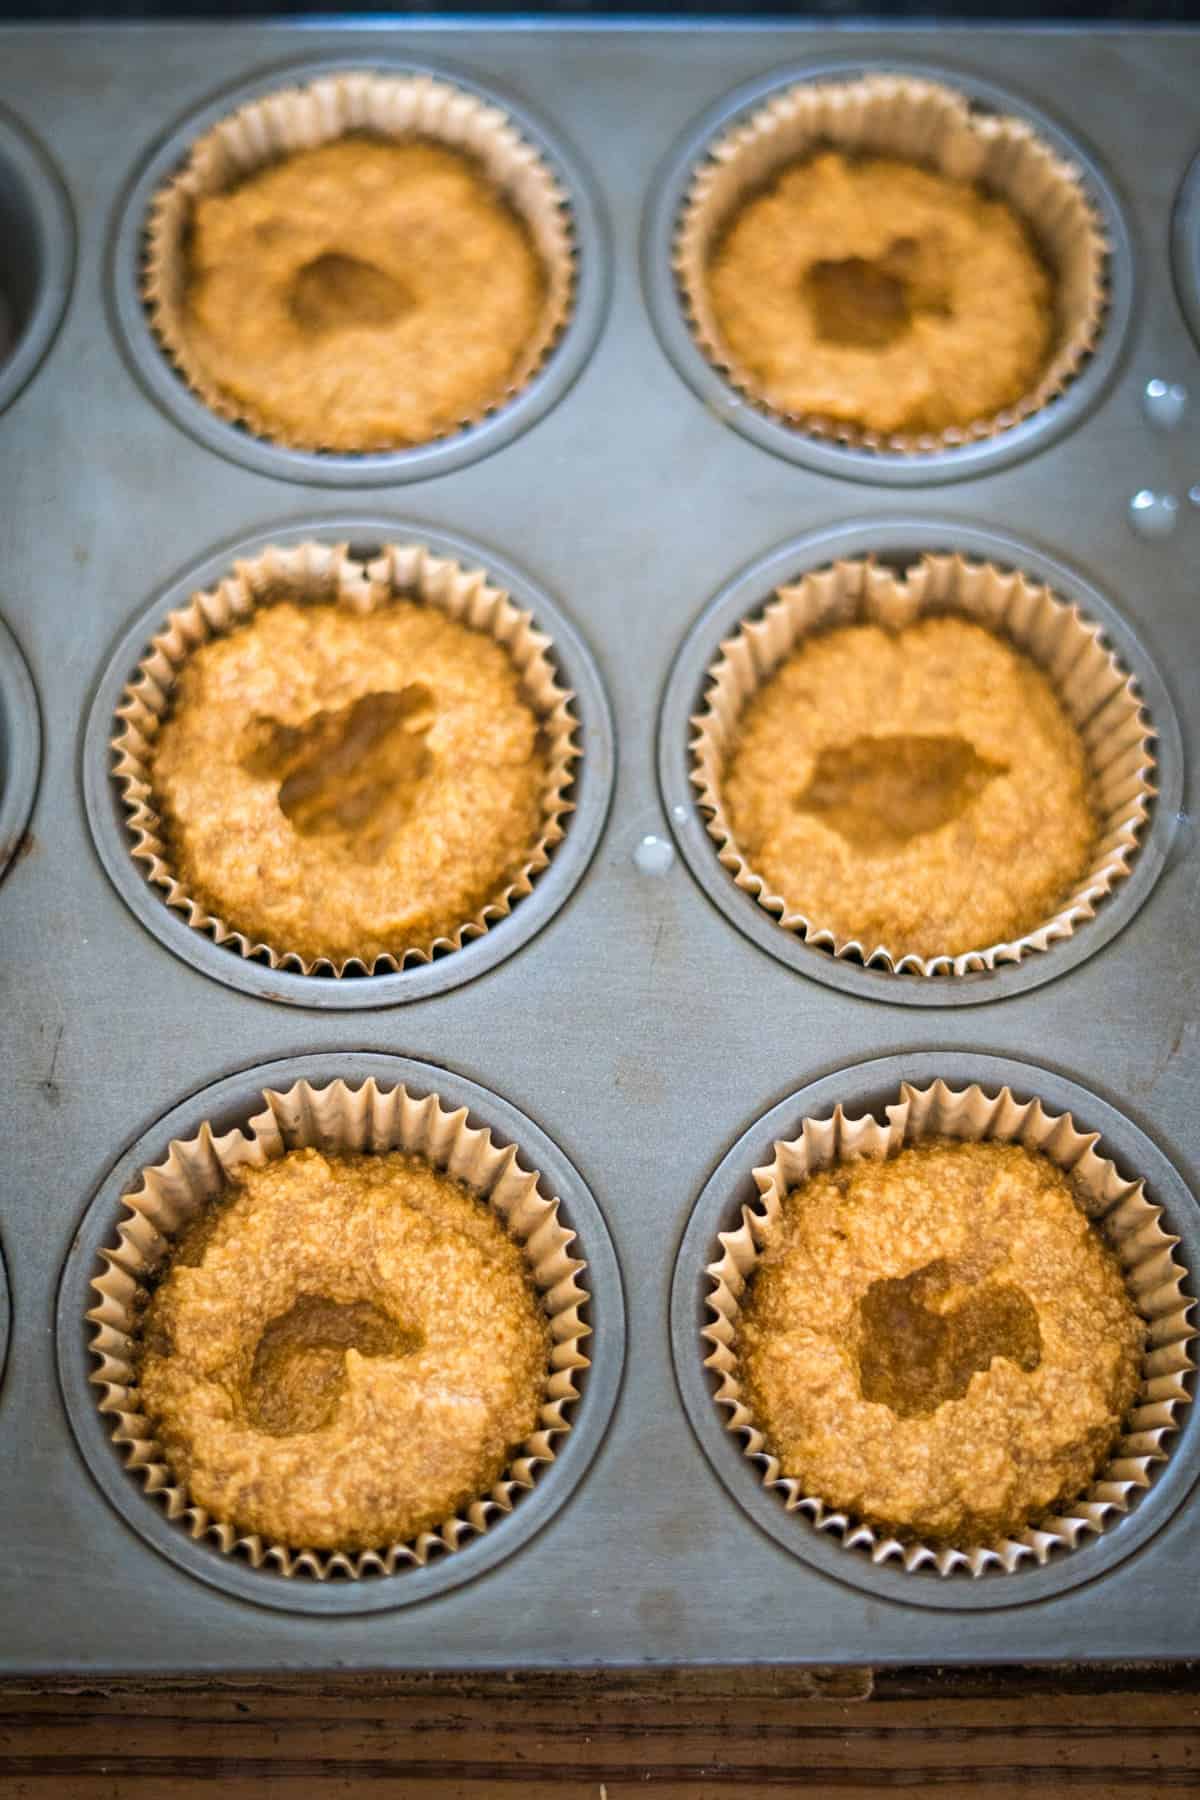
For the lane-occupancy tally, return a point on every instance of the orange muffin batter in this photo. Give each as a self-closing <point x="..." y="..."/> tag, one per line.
<point x="940" y="1343"/>
<point x="882" y="295"/>
<point x="363" y="295"/>
<point x="346" y="784"/>
<point x="344" y="1352"/>
<point x="921" y="790"/>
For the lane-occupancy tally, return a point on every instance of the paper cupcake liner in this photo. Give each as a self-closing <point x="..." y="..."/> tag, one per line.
<point x="1100" y="698"/>
<point x="321" y="572"/>
<point x="334" y="1118"/>
<point x="917" y="121"/>
<point x="396" y="107"/>
<point x="1130" y="1222"/>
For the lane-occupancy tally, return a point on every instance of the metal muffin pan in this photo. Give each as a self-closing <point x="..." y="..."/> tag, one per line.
<point x="638" y="1029"/>
<point x="384" y="467"/>
<point x="227" y="1105"/>
<point x="591" y="790"/>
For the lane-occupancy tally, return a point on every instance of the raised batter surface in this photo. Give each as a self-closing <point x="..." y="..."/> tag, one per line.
<point x="922" y="790"/>
<point x="349" y="784"/>
<point x="363" y="295"/>
<point x="881" y="294"/>
<point x="344" y="1351"/>
<point x="940" y="1343"/>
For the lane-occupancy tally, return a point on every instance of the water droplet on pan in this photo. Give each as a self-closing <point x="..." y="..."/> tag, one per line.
<point x="1164" y="403"/>
<point x="654" y="855"/>
<point x="1153" y="515"/>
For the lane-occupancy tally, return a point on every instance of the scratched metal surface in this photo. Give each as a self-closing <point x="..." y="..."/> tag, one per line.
<point x="639" y="1029"/>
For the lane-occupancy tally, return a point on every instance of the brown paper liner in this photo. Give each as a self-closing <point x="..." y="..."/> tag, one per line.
<point x="917" y="121"/>
<point x="322" y="572"/>
<point x="1130" y="1222"/>
<point x="1101" y="700"/>
<point x="335" y="1118"/>
<point x="397" y="107"/>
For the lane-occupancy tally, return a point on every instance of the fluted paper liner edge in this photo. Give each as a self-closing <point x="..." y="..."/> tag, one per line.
<point x="322" y="572"/>
<point x="396" y="107"/>
<point x="1130" y="1222"/>
<point x="336" y="1117"/>
<point x="1099" y="696"/>
<point x="918" y="121"/>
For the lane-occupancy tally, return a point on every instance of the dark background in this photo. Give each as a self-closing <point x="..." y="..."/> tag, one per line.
<point x="1048" y="12"/>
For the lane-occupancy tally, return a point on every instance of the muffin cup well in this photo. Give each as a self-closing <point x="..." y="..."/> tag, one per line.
<point x="1131" y="1224"/>
<point x="327" y="573"/>
<point x="398" y="108"/>
<point x="20" y="747"/>
<point x="37" y="255"/>
<point x="332" y="1118"/>
<point x="921" y="121"/>
<point x="1100" y="698"/>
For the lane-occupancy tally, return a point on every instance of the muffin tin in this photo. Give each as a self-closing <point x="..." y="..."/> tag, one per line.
<point x="627" y="1027"/>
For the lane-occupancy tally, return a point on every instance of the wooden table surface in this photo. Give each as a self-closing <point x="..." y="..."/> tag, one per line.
<point x="762" y="1732"/>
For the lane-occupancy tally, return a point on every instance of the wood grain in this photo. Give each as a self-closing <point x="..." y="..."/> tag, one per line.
<point x="762" y="1732"/>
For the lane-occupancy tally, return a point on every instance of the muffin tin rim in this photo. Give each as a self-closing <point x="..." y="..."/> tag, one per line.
<point x="593" y="783"/>
<point x="230" y="1101"/>
<point x="43" y="188"/>
<point x="745" y="593"/>
<point x="1185" y="246"/>
<point x="865" y="1087"/>
<point x="21" y="738"/>
<point x="882" y="468"/>
<point x="341" y="469"/>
